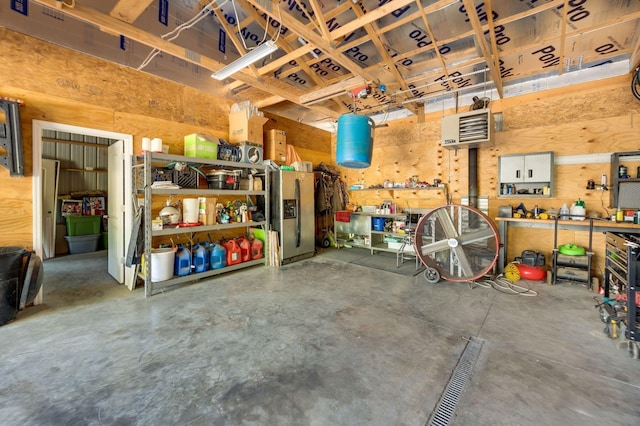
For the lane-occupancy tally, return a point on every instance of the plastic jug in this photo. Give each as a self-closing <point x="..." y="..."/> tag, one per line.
<point x="207" y="257"/>
<point x="182" y="264"/>
<point x="577" y="212"/>
<point x="218" y="256"/>
<point x="245" y="248"/>
<point x="256" y="249"/>
<point x="199" y="257"/>
<point x="564" y="212"/>
<point x="233" y="252"/>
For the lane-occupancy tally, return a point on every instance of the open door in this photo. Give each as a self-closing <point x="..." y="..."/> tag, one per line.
<point x="119" y="213"/>
<point x="50" y="171"/>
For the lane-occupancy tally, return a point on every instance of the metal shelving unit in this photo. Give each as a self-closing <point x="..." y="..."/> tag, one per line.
<point x="572" y="268"/>
<point x="151" y="159"/>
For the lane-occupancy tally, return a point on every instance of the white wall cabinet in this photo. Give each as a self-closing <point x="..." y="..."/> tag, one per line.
<point x="526" y="174"/>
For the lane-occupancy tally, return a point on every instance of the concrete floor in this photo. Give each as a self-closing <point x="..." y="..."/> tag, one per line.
<point x="317" y="342"/>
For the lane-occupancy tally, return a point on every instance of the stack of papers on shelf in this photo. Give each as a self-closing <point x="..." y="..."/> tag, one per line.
<point x="164" y="185"/>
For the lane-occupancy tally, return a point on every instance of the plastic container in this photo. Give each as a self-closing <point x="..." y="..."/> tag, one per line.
<point x="257" y="249"/>
<point x="83" y="243"/>
<point x="354" y="145"/>
<point x="12" y="261"/>
<point x="83" y="225"/>
<point x="105" y="240"/>
<point x="182" y="263"/>
<point x="218" y="258"/>
<point x="245" y="248"/>
<point x="217" y="179"/>
<point x="234" y="255"/>
<point x="199" y="257"/>
<point x="564" y="212"/>
<point x="378" y="223"/>
<point x="162" y="264"/>
<point x="190" y="210"/>
<point x="233" y="179"/>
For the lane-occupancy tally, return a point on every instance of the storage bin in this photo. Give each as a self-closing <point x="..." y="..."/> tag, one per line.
<point x="378" y="223"/>
<point x="217" y="179"/>
<point x="162" y="264"/>
<point x="83" y="225"/>
<point x="83" y="243"/>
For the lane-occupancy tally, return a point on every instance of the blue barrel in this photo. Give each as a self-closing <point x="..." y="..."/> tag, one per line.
<point x="218" y="256"/>
<point x="199" y="258"/>
<point x="182" y="263"/>
<point x="354" y="144"/>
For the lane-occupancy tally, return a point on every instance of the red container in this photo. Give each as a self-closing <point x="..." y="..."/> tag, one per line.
<point x="233" y="252"/>
<point x="245" y="248"/>
<point x="256" y="249"/>
<point x="343" y="216"/>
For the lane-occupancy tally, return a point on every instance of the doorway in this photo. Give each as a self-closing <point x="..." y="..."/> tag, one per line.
<point x="118" y="181"/>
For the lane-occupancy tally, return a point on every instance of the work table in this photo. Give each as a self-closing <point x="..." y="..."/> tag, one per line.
<point x="589" y="225"/>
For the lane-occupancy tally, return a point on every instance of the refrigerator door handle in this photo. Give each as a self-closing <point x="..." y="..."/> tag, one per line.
<point x="298" y="210"/>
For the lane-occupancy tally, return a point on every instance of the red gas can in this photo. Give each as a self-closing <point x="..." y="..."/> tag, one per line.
<point x="256" y="249"/>
<point x="245" y="248"/>
<point x="233" y="252"/>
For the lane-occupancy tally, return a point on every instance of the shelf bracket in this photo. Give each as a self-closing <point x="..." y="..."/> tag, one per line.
<point x="11" y="138"/>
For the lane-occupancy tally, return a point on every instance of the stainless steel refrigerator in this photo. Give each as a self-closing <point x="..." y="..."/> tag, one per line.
<point x="292" y="210"/>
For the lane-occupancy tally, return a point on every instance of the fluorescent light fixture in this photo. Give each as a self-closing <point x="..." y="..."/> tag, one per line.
<point x="242" y="62"/>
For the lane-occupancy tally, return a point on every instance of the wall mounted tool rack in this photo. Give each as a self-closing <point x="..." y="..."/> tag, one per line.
<point x="11" y="138"/>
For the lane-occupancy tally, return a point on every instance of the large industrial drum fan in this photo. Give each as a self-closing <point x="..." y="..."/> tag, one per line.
<point x="457" y="243"/>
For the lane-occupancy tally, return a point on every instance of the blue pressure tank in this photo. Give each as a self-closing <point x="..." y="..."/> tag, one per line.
<point x="354" y="144"/>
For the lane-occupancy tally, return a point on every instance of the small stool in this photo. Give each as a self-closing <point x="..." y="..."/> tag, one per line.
<point x="407" y="240"/>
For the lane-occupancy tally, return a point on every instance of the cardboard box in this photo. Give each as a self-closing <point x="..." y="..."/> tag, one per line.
<point x="275" y="147"/>
<point x="201" y="146"/>
<point x="250" y="152"/>
<point x="243" y="128"/>
<point x="93" y="206"/>
<point x="71" y="208"/>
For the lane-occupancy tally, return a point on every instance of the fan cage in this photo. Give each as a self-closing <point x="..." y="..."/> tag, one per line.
<point x="455" y="239"/>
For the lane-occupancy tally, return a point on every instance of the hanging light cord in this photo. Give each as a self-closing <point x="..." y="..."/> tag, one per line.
<point x="173" y="34"/>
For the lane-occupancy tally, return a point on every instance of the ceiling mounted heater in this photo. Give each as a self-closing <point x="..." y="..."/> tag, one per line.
<point x="467" y="130"/>
<point x="354" y="145"/>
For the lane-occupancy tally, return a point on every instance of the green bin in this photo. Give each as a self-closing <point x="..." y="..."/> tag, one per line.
<point x="83" y="225"/>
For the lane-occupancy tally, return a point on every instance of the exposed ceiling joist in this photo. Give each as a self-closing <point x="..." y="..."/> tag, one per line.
<point x="330" y="48"/>
<point x="288" y="48"/>
<point x="115" y="26"/>
<point x="482" y="43"/>
<point x="371" y="30"/>
<point x="436" y="48"/>
<point x="129" y="10"/>
<point x="563" y="36"/>
<point x="267" y="102"/>
<point x="315" y="39"/>
<point x="370" y="17"/>
<point x="328" y="92"/>
<point x="320" y="19"/>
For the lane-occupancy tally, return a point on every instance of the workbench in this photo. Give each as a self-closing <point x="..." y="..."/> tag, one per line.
<point x="588" y="225"/>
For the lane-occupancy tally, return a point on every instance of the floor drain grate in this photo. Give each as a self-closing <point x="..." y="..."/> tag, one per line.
<point x="443" y="413"/>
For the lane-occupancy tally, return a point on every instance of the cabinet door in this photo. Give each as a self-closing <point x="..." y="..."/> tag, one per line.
<point x="537" y="167"/>
<point x="511" y="168"/>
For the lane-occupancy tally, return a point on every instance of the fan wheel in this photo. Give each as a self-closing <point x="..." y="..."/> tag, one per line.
<point x="431" y="275"/>
<point x="459" y="242"/>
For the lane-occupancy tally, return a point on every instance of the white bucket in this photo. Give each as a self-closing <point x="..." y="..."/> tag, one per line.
<point x="190" y="210"/>
<point x="162" y="261"/>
